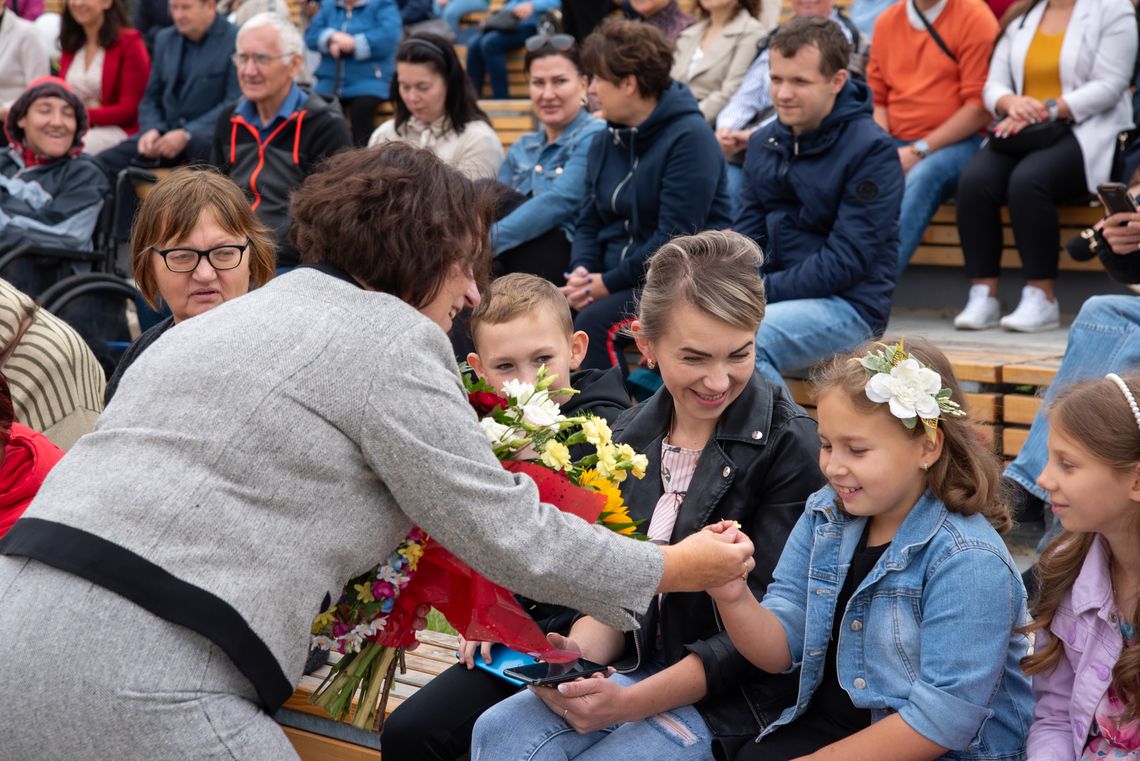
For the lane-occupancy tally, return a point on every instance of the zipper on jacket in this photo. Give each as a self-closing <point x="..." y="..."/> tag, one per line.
<point x="637" y="651"/>
<point x="613" y="205"/>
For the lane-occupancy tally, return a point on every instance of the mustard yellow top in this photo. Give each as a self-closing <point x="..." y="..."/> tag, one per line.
<point x="1043" y="66"/>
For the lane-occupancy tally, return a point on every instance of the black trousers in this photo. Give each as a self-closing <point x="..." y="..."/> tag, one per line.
<point x="1031" y="186"/>
<point x="361" y="112"/>
<point x="435" y="723"/>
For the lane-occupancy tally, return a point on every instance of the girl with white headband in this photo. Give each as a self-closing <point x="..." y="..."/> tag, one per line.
<point x="1085" y="665"/>
<point x="894" y="596"/>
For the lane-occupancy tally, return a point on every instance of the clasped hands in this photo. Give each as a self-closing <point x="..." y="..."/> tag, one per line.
<point x="718" y="558"/>
<point x="583" y="288"/>
<point x="153" y="144"/>
<point x="1020" y="112"/>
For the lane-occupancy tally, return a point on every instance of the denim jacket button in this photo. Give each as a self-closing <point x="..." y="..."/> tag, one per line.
<point x="856" y="625"/>
<point x="859" y="683"/>
<point x="558" y="170"/>
<point x="726" y="472"/>
<point x="757" y="435"/>
<point x="538" y="168"/>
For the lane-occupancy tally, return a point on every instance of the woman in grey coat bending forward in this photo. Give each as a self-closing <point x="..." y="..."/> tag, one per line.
<point x="155" y="599"/>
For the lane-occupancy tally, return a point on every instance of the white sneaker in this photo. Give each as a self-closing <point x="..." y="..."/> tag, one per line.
<point x="1034" y="313"/>
<point x="982" y="310"/>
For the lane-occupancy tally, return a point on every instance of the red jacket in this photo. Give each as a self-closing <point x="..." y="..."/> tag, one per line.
<point x="27" y="459"/>
<point x="126" y="69"/>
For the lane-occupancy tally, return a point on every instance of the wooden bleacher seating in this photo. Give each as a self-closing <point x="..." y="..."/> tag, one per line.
<point x="1007" y="391"/>
<point x="940" y="245"/>
<point x="435" y="654"/>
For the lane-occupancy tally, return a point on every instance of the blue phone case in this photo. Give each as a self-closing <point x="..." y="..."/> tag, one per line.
<point x="503" y="658"/>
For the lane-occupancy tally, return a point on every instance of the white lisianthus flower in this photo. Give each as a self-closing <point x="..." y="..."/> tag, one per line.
<point x="596" y="431"/>
<point x="542" y="412"/>
<point x="518" y="390"/>
<point x="910" y="389"/>
<point x="496" y="432"/>
<point x="556" y="456"/>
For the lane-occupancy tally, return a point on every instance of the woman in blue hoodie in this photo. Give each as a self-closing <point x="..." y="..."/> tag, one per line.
<point x="656" y="173"/>
<point x="357" y="42"/>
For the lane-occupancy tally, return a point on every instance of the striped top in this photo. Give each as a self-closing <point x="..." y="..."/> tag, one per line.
<point x="677" y="468"/>
<point x="56" y="382"/>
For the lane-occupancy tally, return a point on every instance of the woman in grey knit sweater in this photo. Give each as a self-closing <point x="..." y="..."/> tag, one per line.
<point x="155" y="599"/>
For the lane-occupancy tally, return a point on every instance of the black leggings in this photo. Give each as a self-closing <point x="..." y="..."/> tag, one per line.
<point x="1032" y="186"/>
<point x="361" y="112"/>
<point x="435" y="723"/>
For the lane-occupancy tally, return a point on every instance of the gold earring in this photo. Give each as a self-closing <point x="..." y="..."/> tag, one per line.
<point x="652" y="365"/>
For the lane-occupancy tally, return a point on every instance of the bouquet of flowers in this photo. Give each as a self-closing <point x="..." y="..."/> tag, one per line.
<point x="372" y="622"/>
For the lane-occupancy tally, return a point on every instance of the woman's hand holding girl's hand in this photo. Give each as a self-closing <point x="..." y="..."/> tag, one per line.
<point x="707" y="559"/>
<point x="587" y="704"/>
<point x="467" y="649"/>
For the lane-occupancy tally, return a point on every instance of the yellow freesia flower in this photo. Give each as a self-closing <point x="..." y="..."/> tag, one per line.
<point x="413" y="551"/>
<point x="323" y="621"/>
<point x="608" y="464"/>
<point x="640" y="463"/>
<point x="364" y="592"/>
<point x="556" y="456"/>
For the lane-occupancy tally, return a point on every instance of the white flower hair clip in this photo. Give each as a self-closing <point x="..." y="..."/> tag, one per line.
<point x="913" y="391"/>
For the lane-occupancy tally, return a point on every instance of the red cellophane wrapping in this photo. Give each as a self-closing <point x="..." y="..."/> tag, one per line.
<point x="478" y="608"/>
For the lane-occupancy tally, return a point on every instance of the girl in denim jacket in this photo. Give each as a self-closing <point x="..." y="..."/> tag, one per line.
<point x="1085" y="667"/>
<point x="894" y="596"/>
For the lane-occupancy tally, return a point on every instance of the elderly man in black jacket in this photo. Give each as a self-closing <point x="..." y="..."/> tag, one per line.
<point x="276" y="133"/>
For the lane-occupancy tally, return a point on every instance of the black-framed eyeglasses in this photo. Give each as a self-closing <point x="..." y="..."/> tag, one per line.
<point x="187" y="259"/>
<point x="558" y="42"/>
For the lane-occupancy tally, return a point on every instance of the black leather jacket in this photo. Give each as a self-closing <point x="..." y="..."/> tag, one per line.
<point x="758" y="469"/>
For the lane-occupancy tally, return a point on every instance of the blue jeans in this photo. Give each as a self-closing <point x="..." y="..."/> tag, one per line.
<point x="523" y="728"/>
<point x="488" y="54"/>
<point x="735" y="176"/>
<point x="799" y="333"/>
<point x="455" y="10"/>
<point x="1104" y="338"/>
<point x="930" y="183"/>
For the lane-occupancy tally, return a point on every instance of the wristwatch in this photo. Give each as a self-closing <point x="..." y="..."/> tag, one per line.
<point x="1051" y="104"/>
<point x="921" y="148"/>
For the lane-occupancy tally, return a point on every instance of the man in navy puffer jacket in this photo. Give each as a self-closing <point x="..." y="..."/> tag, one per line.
<point x="649" y="180"/>
<point x="821" y="195"/>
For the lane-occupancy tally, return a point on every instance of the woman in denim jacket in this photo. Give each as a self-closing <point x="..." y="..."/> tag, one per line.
<point x="1085" y="664"/>
<point x="894" y="595"/>
<point x="546" y="168"/>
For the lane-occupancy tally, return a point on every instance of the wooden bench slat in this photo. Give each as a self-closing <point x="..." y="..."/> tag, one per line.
<point x="1020" y="408"/>
<point x="1012" y="439"/>
<point x="1074" y="215"/>
<point x="311" y="747"/>
<point x="1032" y="372"/>
<point x="951" y="256"/>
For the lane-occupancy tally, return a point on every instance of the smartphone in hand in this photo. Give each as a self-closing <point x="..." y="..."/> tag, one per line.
<point x="550" y="674"/>
<point x="1116" y="199"/>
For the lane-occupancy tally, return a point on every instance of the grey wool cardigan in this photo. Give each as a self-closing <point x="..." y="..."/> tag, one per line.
<point x="258" y="456"/>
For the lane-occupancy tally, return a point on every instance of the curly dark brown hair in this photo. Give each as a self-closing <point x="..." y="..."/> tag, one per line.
<point x="396" y="218"/>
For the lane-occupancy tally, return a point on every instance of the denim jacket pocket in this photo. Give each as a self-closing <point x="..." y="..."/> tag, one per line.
<point x="894" y="654"/>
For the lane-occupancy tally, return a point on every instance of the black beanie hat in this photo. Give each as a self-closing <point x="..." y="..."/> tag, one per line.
<point x="44" y="87"/>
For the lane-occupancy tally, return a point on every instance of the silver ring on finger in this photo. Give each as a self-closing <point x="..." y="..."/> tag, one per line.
<point x="565" y="713"/>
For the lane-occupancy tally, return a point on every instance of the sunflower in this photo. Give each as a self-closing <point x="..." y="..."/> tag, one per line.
<point x="615" y="514"/>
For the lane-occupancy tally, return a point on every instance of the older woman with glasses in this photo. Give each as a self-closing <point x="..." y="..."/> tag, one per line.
<point x="546" y="169"/>
<point x="195" y="245"/>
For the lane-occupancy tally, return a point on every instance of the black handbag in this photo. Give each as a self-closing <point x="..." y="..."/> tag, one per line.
<point x="501" y="21"/>
<point x="1031" y="138"/>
